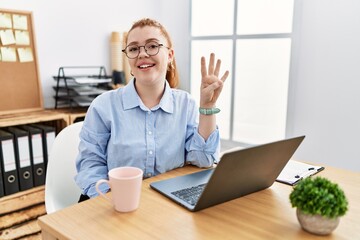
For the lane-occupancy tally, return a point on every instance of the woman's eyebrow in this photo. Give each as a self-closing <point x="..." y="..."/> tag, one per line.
<point x="146" y="41"/>
<point x="133" y="43"/>
<point x="152" y="40"/>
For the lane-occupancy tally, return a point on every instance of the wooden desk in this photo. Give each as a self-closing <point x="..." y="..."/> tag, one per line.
<point x="263" y="215"/>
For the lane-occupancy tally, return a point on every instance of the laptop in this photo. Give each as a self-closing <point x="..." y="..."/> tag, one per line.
<point x="238" y="173"/>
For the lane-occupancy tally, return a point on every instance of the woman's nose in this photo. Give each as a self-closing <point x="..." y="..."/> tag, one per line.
<point x="142" y="52"/>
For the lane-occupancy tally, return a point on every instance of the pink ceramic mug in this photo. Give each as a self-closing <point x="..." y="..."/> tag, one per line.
<point x="125" y="184"/>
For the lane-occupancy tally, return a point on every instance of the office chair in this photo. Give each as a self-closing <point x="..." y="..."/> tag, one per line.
<point x="60" y="187"/>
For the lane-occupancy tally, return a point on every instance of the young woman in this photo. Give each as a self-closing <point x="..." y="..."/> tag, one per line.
<point x="149" y="124"/>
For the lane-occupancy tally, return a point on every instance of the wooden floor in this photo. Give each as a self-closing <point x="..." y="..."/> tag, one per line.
<point x="19" y="213"/>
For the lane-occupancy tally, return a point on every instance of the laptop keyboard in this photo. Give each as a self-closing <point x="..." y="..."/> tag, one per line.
<point x="190" y="195"/>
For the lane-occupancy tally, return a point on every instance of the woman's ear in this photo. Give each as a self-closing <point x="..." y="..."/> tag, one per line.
<point x="170" y="55"/>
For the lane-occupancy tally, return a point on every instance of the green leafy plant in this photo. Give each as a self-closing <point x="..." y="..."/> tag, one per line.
<point x="319" y="196"/>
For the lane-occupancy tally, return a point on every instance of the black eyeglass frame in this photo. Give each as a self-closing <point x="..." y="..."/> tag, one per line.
<point x="158" y="45"/>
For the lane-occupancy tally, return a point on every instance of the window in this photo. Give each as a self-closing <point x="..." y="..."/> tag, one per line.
<point x="253" y="40"/>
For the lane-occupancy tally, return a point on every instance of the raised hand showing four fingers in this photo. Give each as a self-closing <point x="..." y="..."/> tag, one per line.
<point x="211" y="84"/>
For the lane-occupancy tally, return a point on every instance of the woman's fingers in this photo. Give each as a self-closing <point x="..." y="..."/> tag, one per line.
<point x="214" y="86"/>
<point x="211" y="64"/>
<point x="210" y="74"/>
<point x="217" y="68"/>
<point x="203" y="67"/>
<point x="224" y="77"/>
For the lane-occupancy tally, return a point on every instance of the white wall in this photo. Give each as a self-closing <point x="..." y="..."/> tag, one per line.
<point x="324" y="101"/>
<point x="175" y="15"/>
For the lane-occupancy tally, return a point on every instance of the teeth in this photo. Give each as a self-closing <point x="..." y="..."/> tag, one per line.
<point x="145" y="66"/>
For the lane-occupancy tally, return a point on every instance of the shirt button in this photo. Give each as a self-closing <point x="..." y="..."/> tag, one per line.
<point x="150" y="132"/>
<point x="149" y="112"/>
<point x="149" y="174"/>
<point x="150" y="152"/>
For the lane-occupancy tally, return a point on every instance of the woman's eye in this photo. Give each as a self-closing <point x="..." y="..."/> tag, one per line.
<point x="133" y="49"/>
<point x="152" y="46"/>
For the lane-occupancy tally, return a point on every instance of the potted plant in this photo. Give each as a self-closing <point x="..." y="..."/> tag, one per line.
<point x="319" y="204"/>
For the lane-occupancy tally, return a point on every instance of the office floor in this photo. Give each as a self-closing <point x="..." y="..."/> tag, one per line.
<point x="227" y="144"/>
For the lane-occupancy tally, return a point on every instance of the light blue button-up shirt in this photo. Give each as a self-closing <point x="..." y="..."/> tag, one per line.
<point x="119" y="130"/>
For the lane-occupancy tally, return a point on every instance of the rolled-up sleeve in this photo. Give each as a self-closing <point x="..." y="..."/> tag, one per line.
<point x="203" y="153"/>
<point x="199" y="152"/>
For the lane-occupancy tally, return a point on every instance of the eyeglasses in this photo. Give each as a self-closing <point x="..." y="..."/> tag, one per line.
<point x="151" y="49"/>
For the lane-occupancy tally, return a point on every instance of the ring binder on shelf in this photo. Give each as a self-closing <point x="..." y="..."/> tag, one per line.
<point x="36" y="154"/>
<point x="48" y="137"/>
<point x="8" y="163"/>
<point x="2" y="192"/>
<point x="22" y="157"/>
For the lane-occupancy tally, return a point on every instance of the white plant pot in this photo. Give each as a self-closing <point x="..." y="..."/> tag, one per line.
<point x="317" y="224"/>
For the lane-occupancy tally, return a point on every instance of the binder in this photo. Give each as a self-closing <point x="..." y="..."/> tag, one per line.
<point x="2" y="192"/>
<point x="48" y="137"/>
<point x="22" y="157"/>
<point x="295" y="171"/>
<point x="36" y="154"/>
<point x="8" y="163"/>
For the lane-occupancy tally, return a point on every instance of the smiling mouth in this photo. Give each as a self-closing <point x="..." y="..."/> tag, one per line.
<point x="146" y="66"/>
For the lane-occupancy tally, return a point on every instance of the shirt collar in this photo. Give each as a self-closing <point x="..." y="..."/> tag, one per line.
<point x="167" y="100"/>
<point x="131" y="98"/>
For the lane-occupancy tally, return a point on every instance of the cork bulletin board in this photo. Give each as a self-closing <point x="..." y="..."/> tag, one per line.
<point x="20" y="85"/>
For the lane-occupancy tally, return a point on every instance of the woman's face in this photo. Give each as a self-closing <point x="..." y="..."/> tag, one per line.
<point x="145" y="68"/>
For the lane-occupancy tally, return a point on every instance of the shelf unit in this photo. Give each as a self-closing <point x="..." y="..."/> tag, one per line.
<point x="19" y="211"/>
<point x="58" y="119"/>
<point x="78" y="86"/>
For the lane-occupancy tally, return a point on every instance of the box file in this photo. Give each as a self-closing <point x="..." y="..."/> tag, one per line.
<point x="48" y="137"/>
<point x="2" y="192"/>
<point x="8" y="163"/>
<point x="22" y="157"/>
<point x="36" y="154"/>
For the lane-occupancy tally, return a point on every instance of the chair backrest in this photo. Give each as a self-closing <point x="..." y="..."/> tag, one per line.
<point x="60" y="187"/>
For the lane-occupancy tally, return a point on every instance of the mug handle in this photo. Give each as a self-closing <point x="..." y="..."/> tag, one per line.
<point x="100" y="192"/>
